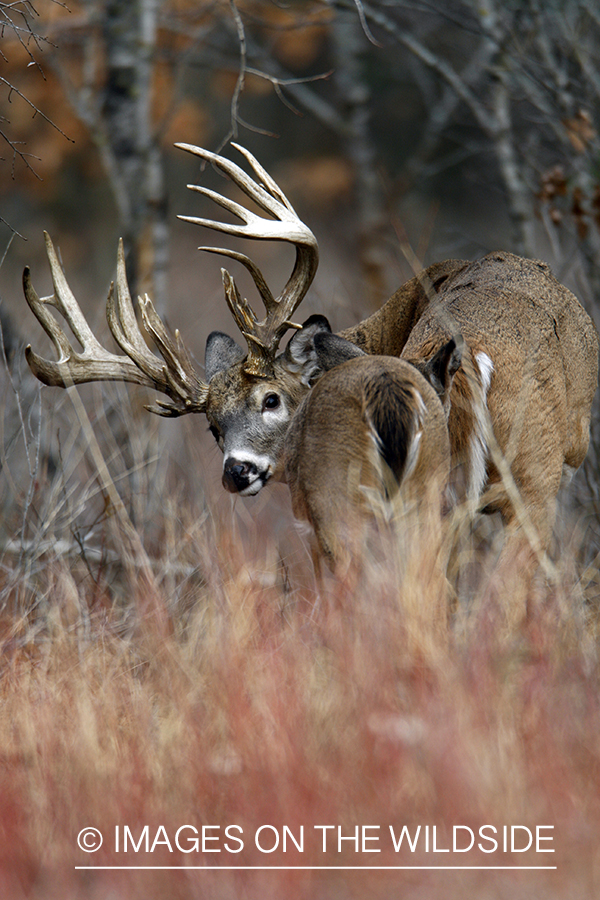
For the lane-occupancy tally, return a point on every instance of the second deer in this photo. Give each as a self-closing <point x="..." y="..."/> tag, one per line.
<point x="369" y="438"/>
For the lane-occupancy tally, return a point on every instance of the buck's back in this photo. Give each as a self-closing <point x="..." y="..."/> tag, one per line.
<point x="534" y="352"/>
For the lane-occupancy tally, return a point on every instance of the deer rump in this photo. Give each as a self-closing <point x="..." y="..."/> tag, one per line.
<point x="372" y="429"/>
<point x="534" y="356"/>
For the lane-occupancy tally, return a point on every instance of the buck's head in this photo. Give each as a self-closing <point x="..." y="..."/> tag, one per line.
<point x="248" y="395"/>
<point x="249" y="414"/>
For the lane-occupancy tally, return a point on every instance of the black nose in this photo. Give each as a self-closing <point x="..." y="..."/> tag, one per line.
<point x="237" y="475"/>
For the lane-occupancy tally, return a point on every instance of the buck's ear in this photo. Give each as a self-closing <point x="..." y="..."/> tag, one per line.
<point x="443" y="366"/>
<point x="221" y="352"/>
<point x="315" y="349"/>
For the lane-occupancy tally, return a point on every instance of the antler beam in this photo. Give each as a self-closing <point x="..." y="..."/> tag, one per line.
<point x="263" y="337"/>
<point x="174" y="375"/>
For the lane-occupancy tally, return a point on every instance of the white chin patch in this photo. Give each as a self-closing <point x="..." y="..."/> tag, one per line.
<point x="253" y="488"/>
<point x="258" y="484"/>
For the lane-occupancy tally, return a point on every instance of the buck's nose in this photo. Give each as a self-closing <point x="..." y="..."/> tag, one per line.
<point x="237" y="475"/>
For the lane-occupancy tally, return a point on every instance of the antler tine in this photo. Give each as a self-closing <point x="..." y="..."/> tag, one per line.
<point x="263" y="336"/>
<point x="124" y="327"/>
<point x="182" y="381"/>
<point x="257" y="276"/>
<point x="270" y="184"/>
<point x="260" y="357"/>
<point x="255" y="226"/>
<point x="72" y="367"/>
<point x="63" y="300"/>
<point x="175" y="376"/>
<point x="267" y="195"/>
<point x="243" y="314"/>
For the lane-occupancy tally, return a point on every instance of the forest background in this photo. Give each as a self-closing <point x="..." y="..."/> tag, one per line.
<point x="403" y="133"/>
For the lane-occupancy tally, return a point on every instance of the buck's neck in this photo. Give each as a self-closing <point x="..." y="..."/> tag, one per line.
<point x="385" y="332"/>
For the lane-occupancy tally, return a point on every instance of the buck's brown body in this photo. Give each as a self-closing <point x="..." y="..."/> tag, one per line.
<point x="535" y="354"/>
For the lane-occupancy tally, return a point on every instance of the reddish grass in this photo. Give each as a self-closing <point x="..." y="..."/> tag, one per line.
<point x="265" y="705"/>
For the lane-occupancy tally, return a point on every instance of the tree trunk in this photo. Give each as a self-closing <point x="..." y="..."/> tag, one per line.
<point x="136" y="170"/>
<point x="350" y="44"/>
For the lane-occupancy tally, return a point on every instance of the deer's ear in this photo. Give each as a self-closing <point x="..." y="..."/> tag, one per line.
<point x="221" y="352"/>
<point x="315" y="349"/>
<point x="443" y="366"/>
<point x="333" y="350"/>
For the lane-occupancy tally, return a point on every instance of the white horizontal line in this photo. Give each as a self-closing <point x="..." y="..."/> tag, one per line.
<point x="326" y="868"/>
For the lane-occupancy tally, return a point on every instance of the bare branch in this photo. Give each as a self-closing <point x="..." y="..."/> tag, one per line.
<point x="433" y="61"/>
<point x="36" y="111"/>
<point x="241" y="80"/>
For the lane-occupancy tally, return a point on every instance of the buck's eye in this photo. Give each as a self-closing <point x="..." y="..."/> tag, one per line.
<point x="215" y="432"/>
<point x="270" y="401"/>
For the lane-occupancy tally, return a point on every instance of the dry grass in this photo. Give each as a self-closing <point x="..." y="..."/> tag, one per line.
<point x="219" y="688"/>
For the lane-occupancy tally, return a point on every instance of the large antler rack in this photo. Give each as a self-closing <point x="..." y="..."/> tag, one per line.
<point x="174" y="375"/>
<point x="263" y="336"/>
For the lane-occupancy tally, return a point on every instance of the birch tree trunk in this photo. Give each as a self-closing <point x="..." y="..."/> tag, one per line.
<point x="350" y="45"/>
<point x="130" y="148"/>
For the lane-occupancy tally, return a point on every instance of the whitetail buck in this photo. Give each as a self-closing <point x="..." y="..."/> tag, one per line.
<point x="530" y="366"/>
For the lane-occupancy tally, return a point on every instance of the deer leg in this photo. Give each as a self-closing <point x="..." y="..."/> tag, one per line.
<point x="517" y="581"/>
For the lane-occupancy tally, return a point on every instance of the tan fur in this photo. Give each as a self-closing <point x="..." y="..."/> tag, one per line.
<point x="544" y="351"/>
<point x="338" y="479"/>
